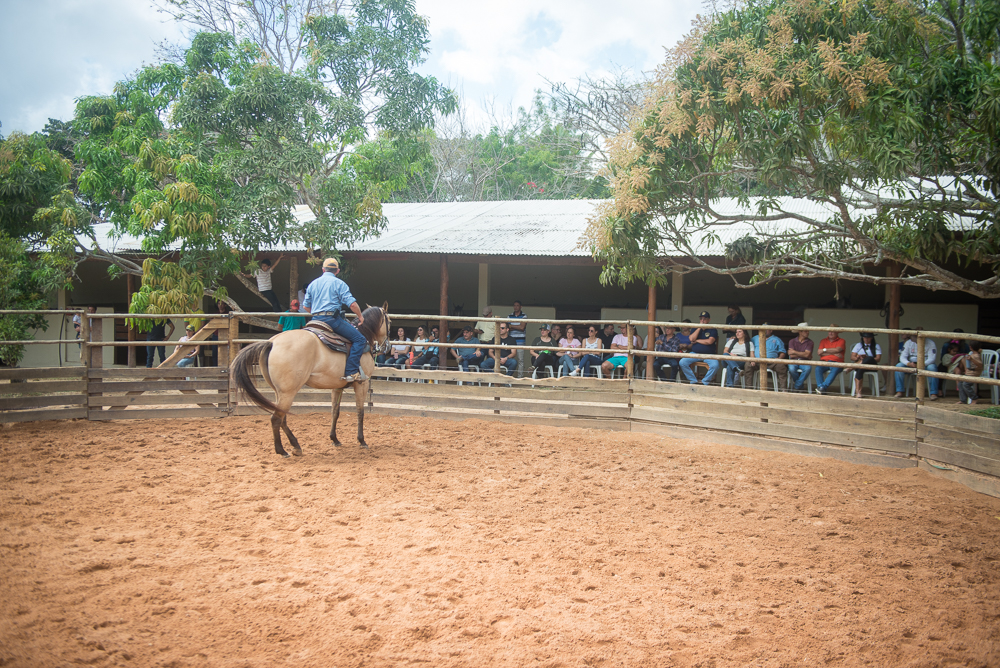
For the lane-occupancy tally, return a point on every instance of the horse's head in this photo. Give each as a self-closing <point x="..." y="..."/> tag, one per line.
<point x="376" y="326"/>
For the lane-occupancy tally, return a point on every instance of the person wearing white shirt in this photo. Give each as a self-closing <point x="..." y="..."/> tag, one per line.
<point x="908" y="358"/>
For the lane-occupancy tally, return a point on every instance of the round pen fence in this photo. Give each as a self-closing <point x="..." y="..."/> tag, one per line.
<point x="881" y="433"/>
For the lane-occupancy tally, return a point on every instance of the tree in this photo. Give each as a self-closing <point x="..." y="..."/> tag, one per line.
<point x="211" y="155"/>
<point x="883" y="114"/>
<point x="38" y="218"/>
<point x="532" y="156"/>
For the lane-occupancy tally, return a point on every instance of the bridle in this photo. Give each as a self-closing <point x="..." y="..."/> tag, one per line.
<point x="382" y="347"/>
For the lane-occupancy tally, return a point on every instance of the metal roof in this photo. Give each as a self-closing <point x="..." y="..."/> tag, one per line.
<point x="543" y="228"/>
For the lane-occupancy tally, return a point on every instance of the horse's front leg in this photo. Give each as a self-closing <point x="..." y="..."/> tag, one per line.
<point x="337" y="394"/>
<point x="360" y="394"/>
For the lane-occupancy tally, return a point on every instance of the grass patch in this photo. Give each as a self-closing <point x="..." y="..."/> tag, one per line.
<point x="991" y="412"/>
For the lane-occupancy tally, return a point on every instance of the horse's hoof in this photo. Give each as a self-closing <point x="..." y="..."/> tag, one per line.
<point x="297" y="452"/>
<point x="363" y="444"/>
<point x="337" y="443"/>
<point x="285" y="455"/>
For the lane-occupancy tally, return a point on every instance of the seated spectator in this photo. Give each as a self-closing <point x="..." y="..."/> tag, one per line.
<point x="569" y="360"/>
<point x="668" y="342"/>
<point x="518" y="331"/>
<point x="734" y="318"/>
<point x="738" y="346"/>
<point x="543" y="358"/>
<point x="952" y="359"/>
<point x="290" y="322"/>
<point x="506" y="355"/>
<point x="556" y="333"/>
<point x="831" y="349"/>
<point x="703" y="340"/>
<point x="399" y="354"/>
<point x="192" y="355"/>
<point x="607" y="336"/>
<point x="419" y="349"/>
<point x="592" y="342"/>
<point x="800" y="348"/>
<point x="865" y="352"/>
<point x="971" y="367"/>
<point x="468" y="354"/>
<point x="775" y="350"/>
<point x="430" y="354"/>
<point x="618" y="345"/>
<point x="908" y="358"/>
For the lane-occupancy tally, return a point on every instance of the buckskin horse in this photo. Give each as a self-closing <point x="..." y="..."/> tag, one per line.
<point x="297" y="357"/>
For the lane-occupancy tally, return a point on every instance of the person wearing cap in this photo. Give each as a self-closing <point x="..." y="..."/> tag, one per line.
<point x="192" y="355"/>
<point x="831" y="349"/>
<point x="703" y="340"/>
<point x="908" y="358"/>
<point x="288" y="322"/>
<point x="775" y="349"/>
<point x="327" y="298"/>
<point x="800" y="348"/>
<point x="864" y="352"/>
<point x="543" y="358"/>
<point x="467" y="354"/>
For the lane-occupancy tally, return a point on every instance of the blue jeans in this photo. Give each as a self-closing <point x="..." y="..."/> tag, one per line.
<point x="932" y="383"/>
<point x="351" y="333"/>
<point x="688" y="362"/>
<point x="799" y="374"/>
<point x="464" y="362"/>
<point x="489" y="363"/>
<point x="732" y="366"/>
<point x="186" y="361"/>
<point x="825" y="375"/>
<point x="586" y="361"/>
<point x="568" y="364"/>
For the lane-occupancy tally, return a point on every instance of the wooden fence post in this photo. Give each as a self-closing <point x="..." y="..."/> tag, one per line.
<point x="630" y="359"/>
<point x="233" y="348"/>
<point x="94" y="331"/>
<point x="762" y="354"/>
<point x="920" y="378"/>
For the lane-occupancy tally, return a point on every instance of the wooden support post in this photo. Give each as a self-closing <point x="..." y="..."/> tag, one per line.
<point x="651" y="329"/>
<point x="85" y="340"/>
<point x="762" y="354"/>
<point x="94" y="332"/>
<point x="233" y="348"/>
<point x="443" y="325"/>
<point x="630" y="359"/>
<point x="293" y="280"/>
<point x="894" y="270"/>
<point x="920" y="379"/>
<point x="130" y="288"/>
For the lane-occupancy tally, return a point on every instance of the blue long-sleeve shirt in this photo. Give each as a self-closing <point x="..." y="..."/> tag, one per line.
<point x="774" y="346"/>
<point x="328" y="293"/>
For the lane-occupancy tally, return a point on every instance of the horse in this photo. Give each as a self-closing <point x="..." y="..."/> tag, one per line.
<point x="297" y="357"/>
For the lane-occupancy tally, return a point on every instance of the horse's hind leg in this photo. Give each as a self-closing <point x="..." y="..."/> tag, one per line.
<point x="337" y="394"/>
<point x="276" y="419"/>
<point x="294" y="442"/>
<point x="284" y="404"/>
<point x="360" y="394"/>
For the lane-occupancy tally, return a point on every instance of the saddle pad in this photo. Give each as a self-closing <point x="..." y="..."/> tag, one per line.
<point x="320" y="325"/>
<point x="331" y="340"/>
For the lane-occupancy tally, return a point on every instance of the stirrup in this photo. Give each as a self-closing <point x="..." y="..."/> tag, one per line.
<point x="358" y="376"/>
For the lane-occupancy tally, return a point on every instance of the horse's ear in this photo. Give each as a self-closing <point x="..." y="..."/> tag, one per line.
<point x="385" y="306"/>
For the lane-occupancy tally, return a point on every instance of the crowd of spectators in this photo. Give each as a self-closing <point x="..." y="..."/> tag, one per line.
<point x="603" y="348"/>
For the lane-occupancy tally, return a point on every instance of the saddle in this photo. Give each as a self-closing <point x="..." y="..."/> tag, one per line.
<point x="335" y="342"/>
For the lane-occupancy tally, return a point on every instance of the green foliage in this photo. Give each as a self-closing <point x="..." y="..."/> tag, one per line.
<point x="882" y="114"/>
<point x="990" y="412"/>
<point x="211" y="155"/>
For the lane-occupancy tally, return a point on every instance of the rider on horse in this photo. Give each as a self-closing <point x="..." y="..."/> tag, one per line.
<point x="326" y="298"/>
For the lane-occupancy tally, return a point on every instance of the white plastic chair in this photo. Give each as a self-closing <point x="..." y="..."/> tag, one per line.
<point x="741" y="377"/>
<point x="991" y="360"/>
<point x="552" y="372"/>
<point x="873" y="381"/>
<point x="772" y="377"/>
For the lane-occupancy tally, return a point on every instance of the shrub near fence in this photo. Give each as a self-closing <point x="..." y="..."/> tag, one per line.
<point x="898" y="434"/>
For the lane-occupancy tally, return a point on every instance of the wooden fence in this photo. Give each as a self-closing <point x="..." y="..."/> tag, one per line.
<point x="881" y="433"/>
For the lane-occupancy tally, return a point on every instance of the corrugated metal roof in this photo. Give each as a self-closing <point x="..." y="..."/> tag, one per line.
<point x="543" y="228"/>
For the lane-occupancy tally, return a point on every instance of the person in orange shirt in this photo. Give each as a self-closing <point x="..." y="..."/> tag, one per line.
<point x="830" y="349"/>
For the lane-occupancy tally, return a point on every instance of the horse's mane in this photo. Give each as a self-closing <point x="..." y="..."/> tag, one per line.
<point x="373" y="319"/>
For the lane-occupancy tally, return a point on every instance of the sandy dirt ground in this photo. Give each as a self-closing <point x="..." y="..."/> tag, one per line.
<point x="190" y="543"/>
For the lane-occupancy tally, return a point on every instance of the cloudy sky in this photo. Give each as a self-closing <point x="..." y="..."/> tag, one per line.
<point x="54" y="51"/>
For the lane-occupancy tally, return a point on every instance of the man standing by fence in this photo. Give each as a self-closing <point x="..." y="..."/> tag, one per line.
<point x="326" y="299"/>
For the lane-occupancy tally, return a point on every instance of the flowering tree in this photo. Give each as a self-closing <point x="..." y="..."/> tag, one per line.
<point x="883" y="114"/>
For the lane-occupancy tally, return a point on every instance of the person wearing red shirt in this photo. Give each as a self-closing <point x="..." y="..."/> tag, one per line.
<point x="830" y="349"/>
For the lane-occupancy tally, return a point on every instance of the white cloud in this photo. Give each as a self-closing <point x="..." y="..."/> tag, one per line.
<point x="54" y="51"/>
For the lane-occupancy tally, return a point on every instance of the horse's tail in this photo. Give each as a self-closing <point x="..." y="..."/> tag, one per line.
<point x="241" y="370"/>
